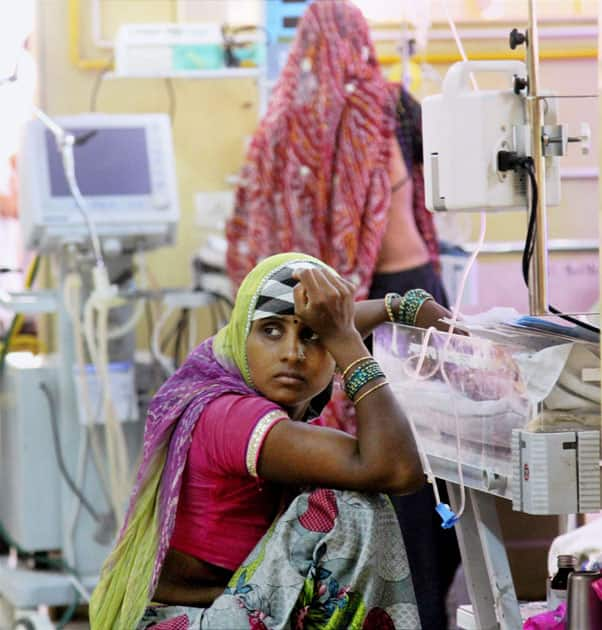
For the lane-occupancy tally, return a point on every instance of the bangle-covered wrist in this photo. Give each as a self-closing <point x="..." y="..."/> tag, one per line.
<point x="412" y="303"/>
<point x="404" y="309"/>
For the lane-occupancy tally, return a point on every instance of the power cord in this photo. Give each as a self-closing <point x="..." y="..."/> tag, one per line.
<point x="105" y="522"/>
<point x="59" y="455"/>
<point x="510" y="160"/>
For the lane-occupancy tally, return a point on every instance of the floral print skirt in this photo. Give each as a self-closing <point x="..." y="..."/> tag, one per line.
<point x="335" y="560"/>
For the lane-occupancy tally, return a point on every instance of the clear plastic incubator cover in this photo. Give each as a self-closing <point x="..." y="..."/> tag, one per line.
<point x="482" y="386"/>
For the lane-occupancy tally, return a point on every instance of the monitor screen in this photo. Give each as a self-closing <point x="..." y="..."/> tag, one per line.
<point x="108" y="162"/>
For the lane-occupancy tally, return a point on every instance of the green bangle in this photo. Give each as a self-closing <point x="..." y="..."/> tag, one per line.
<point x="360" y="376"/>
<point x="412" y="301"/>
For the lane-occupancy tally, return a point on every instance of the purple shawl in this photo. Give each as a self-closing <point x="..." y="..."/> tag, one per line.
<point x="172" y="416"/>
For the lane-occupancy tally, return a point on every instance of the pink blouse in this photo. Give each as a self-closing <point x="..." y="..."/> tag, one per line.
<point x="224" y="507"/>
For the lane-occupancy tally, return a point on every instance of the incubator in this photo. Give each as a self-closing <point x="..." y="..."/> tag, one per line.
<point x="482" y="400"/>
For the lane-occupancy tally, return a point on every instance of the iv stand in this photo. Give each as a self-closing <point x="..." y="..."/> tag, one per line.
<point x="538" y="272"/>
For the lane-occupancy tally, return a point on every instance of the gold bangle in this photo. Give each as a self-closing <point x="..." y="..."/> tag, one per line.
<point x="354" y="363"/>
<point x="389" y="297"/>
<point x="370" y="391"/>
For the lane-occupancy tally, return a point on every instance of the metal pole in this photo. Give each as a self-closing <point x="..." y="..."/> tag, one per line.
<point x="538" y="273"/>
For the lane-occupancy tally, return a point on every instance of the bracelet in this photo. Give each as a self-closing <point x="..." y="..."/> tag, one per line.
<point x="370" y="391"/>
<point x="354" y="363"/>
<point x="412" y="302"/>
<point x="362" y="375"/>
<point x="389" y="297"/>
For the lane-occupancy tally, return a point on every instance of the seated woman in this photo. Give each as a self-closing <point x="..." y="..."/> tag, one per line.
<point x="246" y="512"/>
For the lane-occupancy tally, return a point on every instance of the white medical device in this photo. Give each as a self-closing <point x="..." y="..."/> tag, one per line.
<point x="124" y="166"/>
<point x="463" y="132"/>
<point x="168" y="48"/>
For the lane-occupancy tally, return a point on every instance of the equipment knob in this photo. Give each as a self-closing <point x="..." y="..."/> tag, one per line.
<point x="516" y="38"/>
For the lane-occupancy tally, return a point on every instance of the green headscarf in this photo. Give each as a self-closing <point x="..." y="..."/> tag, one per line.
<point x="230" y="342"/>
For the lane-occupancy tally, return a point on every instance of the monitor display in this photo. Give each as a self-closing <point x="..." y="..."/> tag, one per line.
<point x="125" y="171"/>
<point x="108" y="162"/>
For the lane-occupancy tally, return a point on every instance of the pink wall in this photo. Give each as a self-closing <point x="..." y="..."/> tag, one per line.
<point x="497" y="281"/>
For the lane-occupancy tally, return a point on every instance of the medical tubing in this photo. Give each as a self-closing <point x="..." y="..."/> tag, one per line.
<point x="66" y="148"/>
<point x="161" y="358"/>
<point x="93" y="351"/>
<point x="107" y="407"/>
<point x="71" y="299"/>
<point x="456" y="36"/>
<point x="72" y="288"/>
<point x="439" y="365"/>
<point x="70" y="307"/>
<point x="59" y="454"/>
<point x="120" y="330"/>
<point x="115" y="436"/>
<point x="115" y="480"/>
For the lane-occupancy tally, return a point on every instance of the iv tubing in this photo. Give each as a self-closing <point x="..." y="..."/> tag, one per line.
<point x="416" y="374"/>
<point x="115" y="439"/>
<point x="65" y="142"/>
<point x="71" y="297"/>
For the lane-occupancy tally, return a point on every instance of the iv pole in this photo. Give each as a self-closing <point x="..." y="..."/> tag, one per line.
<point x="538" y="273"/>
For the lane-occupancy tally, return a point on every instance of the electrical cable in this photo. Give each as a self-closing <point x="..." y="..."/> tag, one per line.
<point x="59" y="455"/>
<point x="97" y="85"/>
<point x="527" y="164"/>
<point x="530" y="238"/>
<point x="67" y="616"/>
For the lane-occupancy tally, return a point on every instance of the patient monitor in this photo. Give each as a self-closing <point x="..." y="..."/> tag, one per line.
<point x="124" y="166"/>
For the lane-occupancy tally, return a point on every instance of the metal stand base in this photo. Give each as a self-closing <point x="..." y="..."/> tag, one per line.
<point x="485" y="562"/>
<point x="465" y="617"/>
<point x="28" y="589"/>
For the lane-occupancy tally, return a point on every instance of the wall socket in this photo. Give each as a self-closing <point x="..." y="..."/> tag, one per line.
<point x="213" y="209"/>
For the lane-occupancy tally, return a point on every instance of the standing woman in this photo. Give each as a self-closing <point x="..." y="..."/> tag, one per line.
<point x="335" y="170"/>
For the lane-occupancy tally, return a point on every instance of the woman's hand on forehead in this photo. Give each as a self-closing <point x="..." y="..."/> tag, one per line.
<point x="325" y="302"/>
